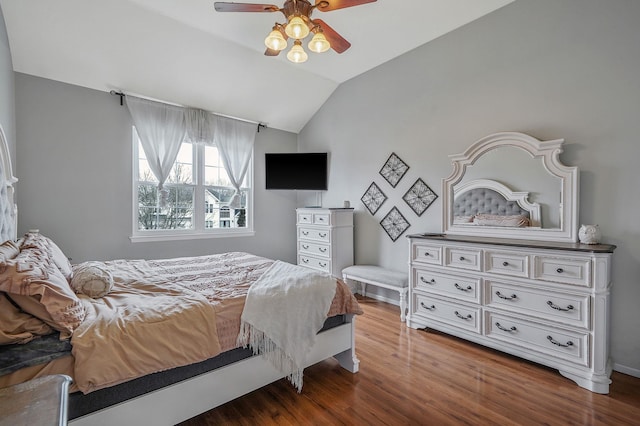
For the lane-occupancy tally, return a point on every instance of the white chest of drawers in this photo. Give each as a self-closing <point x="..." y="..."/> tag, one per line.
<point x="545" y="302"/>
<point x="325" y="239"/>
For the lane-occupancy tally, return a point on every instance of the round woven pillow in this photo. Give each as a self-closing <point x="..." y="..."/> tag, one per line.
<point x="92" y="280"/>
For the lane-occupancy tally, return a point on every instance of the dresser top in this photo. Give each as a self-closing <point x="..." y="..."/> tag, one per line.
<point x="591" y="248"/>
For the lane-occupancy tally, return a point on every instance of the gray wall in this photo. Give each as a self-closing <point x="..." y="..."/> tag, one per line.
<point x="7" y="107"/>
<point x="74" y="162"/>
<point x="552" y="69"/>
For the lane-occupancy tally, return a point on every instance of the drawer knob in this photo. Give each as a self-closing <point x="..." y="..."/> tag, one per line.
<point x="559" y="270"/>
<point x="322" y="234"/>
<point x="559" y="308"/>
<point x="462" y="259"/>
<point x="304" y="246"/>
<point x="502" y="296"/>
<point x="322" y="264"/>
<point x="305" y="260"/>
<point x="509" y="330"/>
<point x="430" y="308"/>
<point x="424" y="280"/>
<point x="555" y="342"/>
<point x="469" y="288"/>
<point x="323" y="249"/>
<point x="426" y="253"/>
<point x="505" y="263"/>
<point x="467" y="318"/>
<point x="305" y="232"/>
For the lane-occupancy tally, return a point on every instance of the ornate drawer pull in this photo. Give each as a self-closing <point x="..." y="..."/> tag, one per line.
<point x="322" y="249"/>
<point x="305" y="232"/>
<point x="566" y="345"/>
<point x="321" y="219"/>
<point x="426" y="253"/>
<point x="432" y="281"/>
<point x="322" y="264"/>
<point x="509" y="330"/>
<point x="322" y="234"/>
<point x="559" y="270"/>
<point x="469" y="288"/>
<point x="505" y="263"/>
<point x="305" y="260"/>
<point x="430" y="308"/>
<point x="462" y="259"/>
<point x="558" y="308"/>
<point x="502" y="296"/>
<point x="304" y="246"/>
<point x="468" y="317"/>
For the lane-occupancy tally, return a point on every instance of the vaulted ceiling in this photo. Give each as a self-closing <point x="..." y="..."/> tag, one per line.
<point x="183" y="51"/>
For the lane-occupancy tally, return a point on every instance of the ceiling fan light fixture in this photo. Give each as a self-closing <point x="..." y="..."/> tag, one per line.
<point x="297" y="54"/>
<point x="297" y="28"/>
<point x="319" y="43"/>
<point x="275" y="40"/>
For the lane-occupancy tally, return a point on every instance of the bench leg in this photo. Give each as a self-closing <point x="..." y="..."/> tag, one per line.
<point x="403" y="304"/>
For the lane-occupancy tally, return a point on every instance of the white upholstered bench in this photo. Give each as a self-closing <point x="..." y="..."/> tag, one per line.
<point x="380" y="277"/>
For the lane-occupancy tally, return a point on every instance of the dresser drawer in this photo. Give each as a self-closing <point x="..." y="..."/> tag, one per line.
<point x="316" y="249"/>
<point x="506" y="263"/>
<point x="305" y="218"/>
<point x="449" y="312"/>
<point x="448" y="285"/>
<point x="568" y="270"/>
<point x="321" y="219"/>
<point x="565" y="308"/>
<point x="463" y="258"/>
<point x="564" y="344"/>
<point x="314" y="234"/>
<point x="422" y="253"/>
<point x="314" y="262"/>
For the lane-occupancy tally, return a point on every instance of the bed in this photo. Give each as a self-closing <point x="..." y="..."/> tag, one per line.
<point x="159" y="341"/>
<point x="486" y="202"/>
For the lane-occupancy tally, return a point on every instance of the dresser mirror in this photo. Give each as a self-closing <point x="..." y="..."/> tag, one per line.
<point x="512" y="185"/>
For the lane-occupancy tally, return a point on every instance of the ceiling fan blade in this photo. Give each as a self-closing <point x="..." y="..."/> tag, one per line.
<point x="327" y="5"/>
<point x="223" y="6"/>
<point x="271" y="52"/>
<point x="337" y="42"/>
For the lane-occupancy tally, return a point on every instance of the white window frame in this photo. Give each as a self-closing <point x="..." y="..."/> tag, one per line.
<point x="199" y="230"/>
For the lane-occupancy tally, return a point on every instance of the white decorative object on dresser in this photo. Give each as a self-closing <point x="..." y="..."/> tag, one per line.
<point x="325" y="238"/>
<point x="546" y="302"/>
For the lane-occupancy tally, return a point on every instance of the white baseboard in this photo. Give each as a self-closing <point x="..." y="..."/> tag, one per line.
<point x="626" y="370"/>
<point x="381" y="298"/>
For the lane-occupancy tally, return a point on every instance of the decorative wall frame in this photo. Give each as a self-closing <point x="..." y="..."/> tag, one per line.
<point x="394" y="223"/>
<point x="394" y="169"/>
<point x="419" y="197"/>
<point x="373" y="198"/>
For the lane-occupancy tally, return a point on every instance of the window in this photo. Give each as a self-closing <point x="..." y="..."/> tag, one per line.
<point x="199" y="192"/>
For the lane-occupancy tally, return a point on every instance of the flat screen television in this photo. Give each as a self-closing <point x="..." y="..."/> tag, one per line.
<point x="300" y="170"/>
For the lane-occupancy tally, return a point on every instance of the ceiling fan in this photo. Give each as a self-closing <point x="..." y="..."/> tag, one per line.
<point x="298" y="26"/>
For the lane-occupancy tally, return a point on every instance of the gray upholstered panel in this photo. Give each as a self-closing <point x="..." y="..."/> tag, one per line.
<point x="485" y="201"/>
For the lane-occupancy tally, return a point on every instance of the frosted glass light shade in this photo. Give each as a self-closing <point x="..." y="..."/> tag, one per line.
<point x="297" y="53"/>
<point x="275" y="41"/>
<point x="319" y="43"/>
<point x="297" y="28"/>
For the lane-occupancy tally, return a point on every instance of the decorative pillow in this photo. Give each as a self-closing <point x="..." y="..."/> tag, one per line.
<point x="17" y="326"/>
<point x="514" y="221"/>
<point x="35" y="283"/>
<point x="91" y="279"/>
<point x="34" y="239"/>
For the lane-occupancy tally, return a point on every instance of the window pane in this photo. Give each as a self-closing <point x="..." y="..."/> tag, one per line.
<point x="177" y="214"/>
<point x="214" y="171"/>
<point x="182" y="171"/>
<point x="217" y="211"/>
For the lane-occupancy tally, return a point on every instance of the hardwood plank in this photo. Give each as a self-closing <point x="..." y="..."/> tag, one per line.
<point x="426" y="377"/>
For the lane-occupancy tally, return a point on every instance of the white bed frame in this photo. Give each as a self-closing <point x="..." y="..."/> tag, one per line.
<point x="186" y="399"/>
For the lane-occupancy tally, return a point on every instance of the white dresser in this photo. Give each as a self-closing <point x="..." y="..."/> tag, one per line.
<point x="545" y="302"/>
<point x="325" y="239"/>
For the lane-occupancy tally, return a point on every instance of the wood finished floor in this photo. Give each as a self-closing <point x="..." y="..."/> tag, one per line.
<point x="428" y="378"/>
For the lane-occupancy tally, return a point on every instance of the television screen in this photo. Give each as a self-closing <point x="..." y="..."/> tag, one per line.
<point x="304" y="170"/>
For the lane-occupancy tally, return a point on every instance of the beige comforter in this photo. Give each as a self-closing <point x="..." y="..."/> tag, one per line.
<point x="168" y="313"/>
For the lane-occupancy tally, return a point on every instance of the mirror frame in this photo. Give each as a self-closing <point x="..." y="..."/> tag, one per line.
<point x="549" y="152"/>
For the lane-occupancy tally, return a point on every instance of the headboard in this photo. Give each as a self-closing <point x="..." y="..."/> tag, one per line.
<point x="485" y="196"/>
<point x="8" y="208"/>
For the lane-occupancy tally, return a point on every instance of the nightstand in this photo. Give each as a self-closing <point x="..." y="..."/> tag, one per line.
<point x="38" y="402"/>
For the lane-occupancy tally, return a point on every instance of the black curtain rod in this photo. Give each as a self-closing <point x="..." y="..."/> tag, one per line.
<point x="122" y="95"/>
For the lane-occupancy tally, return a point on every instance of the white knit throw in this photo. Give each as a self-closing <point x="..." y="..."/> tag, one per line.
<point x="284" y="310"/>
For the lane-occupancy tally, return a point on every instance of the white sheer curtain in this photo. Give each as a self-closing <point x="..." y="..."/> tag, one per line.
<point x="200" y="126"/>
<point x="161" y="129"/>
<point x="234" y="139"/>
